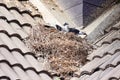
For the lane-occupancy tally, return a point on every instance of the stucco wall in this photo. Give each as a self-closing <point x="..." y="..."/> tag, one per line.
<point x="93" y="8"/>
<point x="82" y="12"/>
<point x="74" y="8"/>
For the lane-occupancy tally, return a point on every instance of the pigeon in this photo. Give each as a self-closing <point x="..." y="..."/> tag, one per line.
<point x="65" y="27"/>
<point x="58" y="27"/>
<point x="73" y="30"/>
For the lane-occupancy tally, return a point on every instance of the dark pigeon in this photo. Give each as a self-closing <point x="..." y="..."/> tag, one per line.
<point x="58" y="27"/>
<point x="73" y="30"/>
<point x="65" y="24"/>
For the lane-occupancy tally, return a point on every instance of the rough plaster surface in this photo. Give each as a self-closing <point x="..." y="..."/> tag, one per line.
<point x="96" y="29"/>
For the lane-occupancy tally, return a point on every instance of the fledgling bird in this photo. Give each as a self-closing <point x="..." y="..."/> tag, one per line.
<point x="73" y="30"/>
<point x="65" y="27"/>
<point x="58" y="27"/>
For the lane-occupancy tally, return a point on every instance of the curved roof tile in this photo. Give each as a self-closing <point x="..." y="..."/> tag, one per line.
<point x="17" y="62"/>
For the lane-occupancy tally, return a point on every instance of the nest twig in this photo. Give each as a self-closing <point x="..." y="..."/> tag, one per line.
<point x="65" y="51"/>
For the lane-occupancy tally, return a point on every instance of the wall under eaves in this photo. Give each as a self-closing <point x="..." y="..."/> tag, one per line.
<point x="83" y="12"/>
<point x="94" y="8"/>
<point x="74" y="8"/>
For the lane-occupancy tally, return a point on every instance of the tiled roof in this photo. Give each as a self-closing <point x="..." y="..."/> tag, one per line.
<point x="105" y="59"/>
<point x="16" y="60"/>
<point x="18" y="63"/>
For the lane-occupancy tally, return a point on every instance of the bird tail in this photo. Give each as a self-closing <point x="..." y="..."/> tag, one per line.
<point x="82" y="33"/>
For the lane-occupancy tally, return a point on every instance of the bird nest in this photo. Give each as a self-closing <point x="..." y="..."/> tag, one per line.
<point x="65" y="51"/>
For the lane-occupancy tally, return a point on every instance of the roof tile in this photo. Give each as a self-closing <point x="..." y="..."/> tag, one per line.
<point x="95" y="65"/>
<point x="110" y="49"/>
<point x="114" y="27"/>
<point x="116" y="61"/>
<point x="16" y="60"/>
<point x="21" y="73"/>
<point x="5" y="26"/>
<point x="84" y="77"/>
<point x="7" y="41"/>
<point x="19" y="30"/>
<point x="29" y="19"/>
<point x="90" y="56"/>
<point x="116" y="74"/>
<point x="12" y="30"/>
<point x="2" y="73"/>
<point x="34" y="62"/>
<point x="21" y="59"/>
<point x="6" y="53"/>
<point x="111" y="37"/>
<point x="18" y="16"/>
<point x="105" y="72"/>
<point x="104" y="61"/>
<point x="33" y="75"/>
<point x="6" y="13"/>
<point x="8" y="71"/>
<point x="107" y="63"/>
<point x="45" y="76"/>
<point x="19" y="44"/>
<point x="95" y="76"/>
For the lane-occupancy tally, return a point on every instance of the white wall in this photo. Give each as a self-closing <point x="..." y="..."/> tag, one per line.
<point x="74" y="8"/>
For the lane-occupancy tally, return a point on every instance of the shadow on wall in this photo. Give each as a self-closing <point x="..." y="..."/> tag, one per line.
<point x="93" y="8"/>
